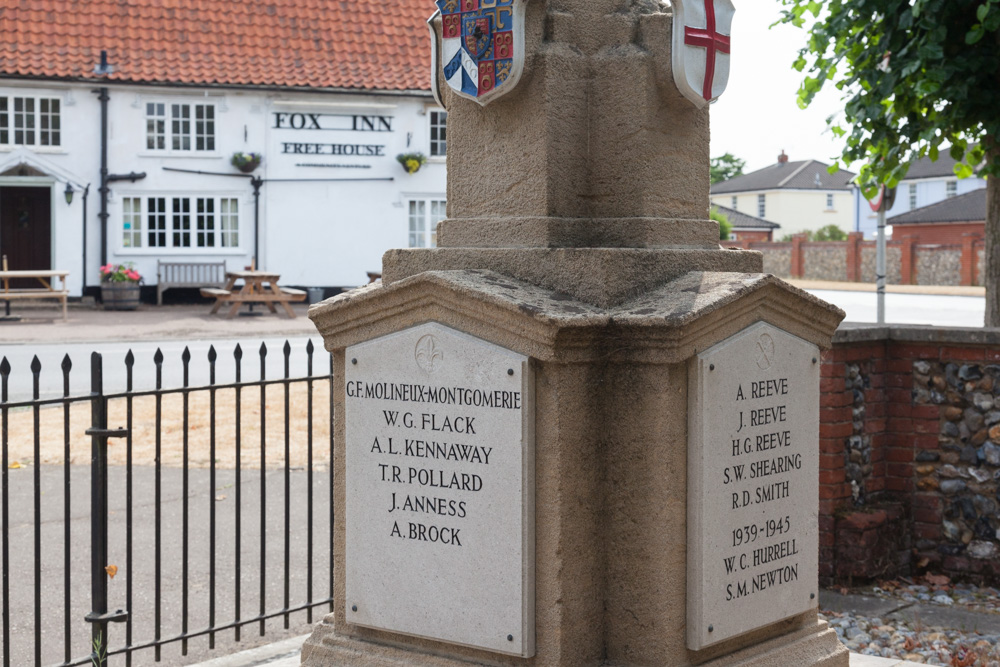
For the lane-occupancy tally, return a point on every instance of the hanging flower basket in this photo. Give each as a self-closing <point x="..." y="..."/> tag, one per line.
<point x="412" y="162"/>
<point x="246" y="162"/>
<point x="120" y="286"/>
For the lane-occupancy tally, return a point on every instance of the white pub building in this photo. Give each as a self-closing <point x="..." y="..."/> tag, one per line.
<point x="119" y="123"/>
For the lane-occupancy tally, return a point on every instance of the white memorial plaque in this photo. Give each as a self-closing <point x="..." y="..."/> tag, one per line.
<point x="440" y="489"/>
<point x="753" y="487"/>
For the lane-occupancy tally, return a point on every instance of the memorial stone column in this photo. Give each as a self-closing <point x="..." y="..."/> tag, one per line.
<point x="578" y="432"/>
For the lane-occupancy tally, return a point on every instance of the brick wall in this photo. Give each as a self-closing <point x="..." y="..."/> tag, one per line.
<point x="908" y="466"/>
<point x="908" y="260"/>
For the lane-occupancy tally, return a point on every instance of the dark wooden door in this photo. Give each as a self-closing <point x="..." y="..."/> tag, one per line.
<point x="26" y="230"/>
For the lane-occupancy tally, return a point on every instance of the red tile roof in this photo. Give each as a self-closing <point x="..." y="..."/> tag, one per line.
<point x="354" y="44"/>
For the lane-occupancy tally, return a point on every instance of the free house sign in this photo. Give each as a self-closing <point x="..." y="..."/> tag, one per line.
<point x="440" y="489"/>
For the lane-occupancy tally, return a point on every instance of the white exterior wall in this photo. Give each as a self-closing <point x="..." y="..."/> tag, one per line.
<point x="929" y="191"/>
<point x="313" y="233"/>
<point x="796" y="210"/>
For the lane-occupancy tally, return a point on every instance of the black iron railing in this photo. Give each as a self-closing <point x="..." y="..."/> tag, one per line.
<point x="104" y="640"/>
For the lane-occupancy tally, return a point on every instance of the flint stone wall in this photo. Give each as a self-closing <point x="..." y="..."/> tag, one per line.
<point x="893" y="260"/>
<point x="938" y="265"/>
<point x="777" y="258"/>
<point x="824" y="261"/>
<point x="910" y="445"/>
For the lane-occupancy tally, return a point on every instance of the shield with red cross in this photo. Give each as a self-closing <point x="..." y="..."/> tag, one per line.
<point x="481" y="49"/>
<point x="701" y="48"/>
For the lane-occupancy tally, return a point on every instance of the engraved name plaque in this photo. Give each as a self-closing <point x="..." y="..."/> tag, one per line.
<point x="439" y="480"/>
<point x="753" y="458"/>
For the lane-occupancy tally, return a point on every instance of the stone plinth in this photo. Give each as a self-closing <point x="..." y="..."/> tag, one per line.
<point x="611" y="442"/>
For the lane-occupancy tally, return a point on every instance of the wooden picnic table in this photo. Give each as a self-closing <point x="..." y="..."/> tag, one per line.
<point x="258" y="287"/>
<point x="46" y="290"/>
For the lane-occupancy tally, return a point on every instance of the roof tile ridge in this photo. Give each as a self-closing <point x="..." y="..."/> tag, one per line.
<point x="795" y="173"/>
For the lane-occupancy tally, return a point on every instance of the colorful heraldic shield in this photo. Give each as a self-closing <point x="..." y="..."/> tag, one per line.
<point x="701" y="48"/>
<point x="482" y="46"/>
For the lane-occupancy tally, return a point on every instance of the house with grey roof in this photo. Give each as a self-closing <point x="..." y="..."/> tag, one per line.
<point x="926" y="183"/>
<point x="747" y="227"/>
<point x="946" y="222"/>
<point x="799" y="196"/>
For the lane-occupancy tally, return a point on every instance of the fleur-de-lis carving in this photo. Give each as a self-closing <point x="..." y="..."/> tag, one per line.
<point x="427" y="354"/>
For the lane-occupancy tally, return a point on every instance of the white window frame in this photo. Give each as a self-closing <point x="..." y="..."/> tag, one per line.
<point x="913" y="196"/>
<point x="735" y="200"/>
<point x="34" y="120"/>
<point x="181" y="127"/>
<point x="829" y="201"/>
<point x="437" y="133"/>
<point x="422" y="217"/>
<point x="950" y="189"/>
<point x="761" y="206"/>
<point x="180" y="223"/>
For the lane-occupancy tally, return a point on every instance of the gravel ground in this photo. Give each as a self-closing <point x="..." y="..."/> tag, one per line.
<point x="925" y="644"/>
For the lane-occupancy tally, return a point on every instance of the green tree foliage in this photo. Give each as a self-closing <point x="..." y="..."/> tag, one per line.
<point x="830" y="233"/>
<point x="917" y="77"/>
<point x="726" y="166"/>
<point x="725" y="227"/>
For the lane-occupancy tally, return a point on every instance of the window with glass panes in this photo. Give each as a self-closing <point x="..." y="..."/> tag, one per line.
<point x="424" y="216"/>
<point x="913" y="196"/>
<point x="156" y="126"/>
<point x="229" y="223"/>
<point x="132" y="222"/>
<point x="439" y="133"/>
<point x="180" y="222"/>
<point x="761" y="206"/>
<point x="829" y="201"/>
<point x="30" y="121"/>
<point x="734" y="203"/>
<point x="180" y="127"/>
<point x="950" y="189"/>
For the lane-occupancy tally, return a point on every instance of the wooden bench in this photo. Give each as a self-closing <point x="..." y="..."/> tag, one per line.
<point x="188" y="274"/>
<point x="46" y="291"/>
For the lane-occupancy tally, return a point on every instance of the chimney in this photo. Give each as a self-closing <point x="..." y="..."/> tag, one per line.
<point x="782" y="159"/>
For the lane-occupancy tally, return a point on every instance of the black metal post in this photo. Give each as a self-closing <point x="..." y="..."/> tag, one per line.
<point x="99" y="434"/>
<point x="98" y="511"/>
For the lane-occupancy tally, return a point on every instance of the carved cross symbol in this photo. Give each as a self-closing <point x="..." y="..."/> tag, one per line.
<point x="712" y="41"/>
<point x="765" y="351"/>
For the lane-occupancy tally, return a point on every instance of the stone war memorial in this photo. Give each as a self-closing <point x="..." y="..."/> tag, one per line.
<point x="577" y="432"/>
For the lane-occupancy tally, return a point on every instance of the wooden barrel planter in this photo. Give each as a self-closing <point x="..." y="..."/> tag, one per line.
<point x="120" y="296"/>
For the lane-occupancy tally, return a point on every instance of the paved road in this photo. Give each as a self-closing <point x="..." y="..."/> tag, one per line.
<point x="144" y="372"/>
<point x="201" y="496"/>
<point x="948" y="311"/>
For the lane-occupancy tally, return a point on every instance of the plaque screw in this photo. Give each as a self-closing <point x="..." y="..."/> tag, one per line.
<point x="812" y="596"/>
<point x="354" y="607"/>
<point x="510" y="371"/>
<point x="711" y="628"/>
<point x="354" y="361"/>
<point x="814" y="360"/>
<point x="510" y="638"/>
<point x="711" y="367"/>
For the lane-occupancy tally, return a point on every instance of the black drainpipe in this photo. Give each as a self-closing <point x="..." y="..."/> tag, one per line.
<point x="256" y="182"/>
<point x="86" y="191"/>
<point x="102" y="95"/>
